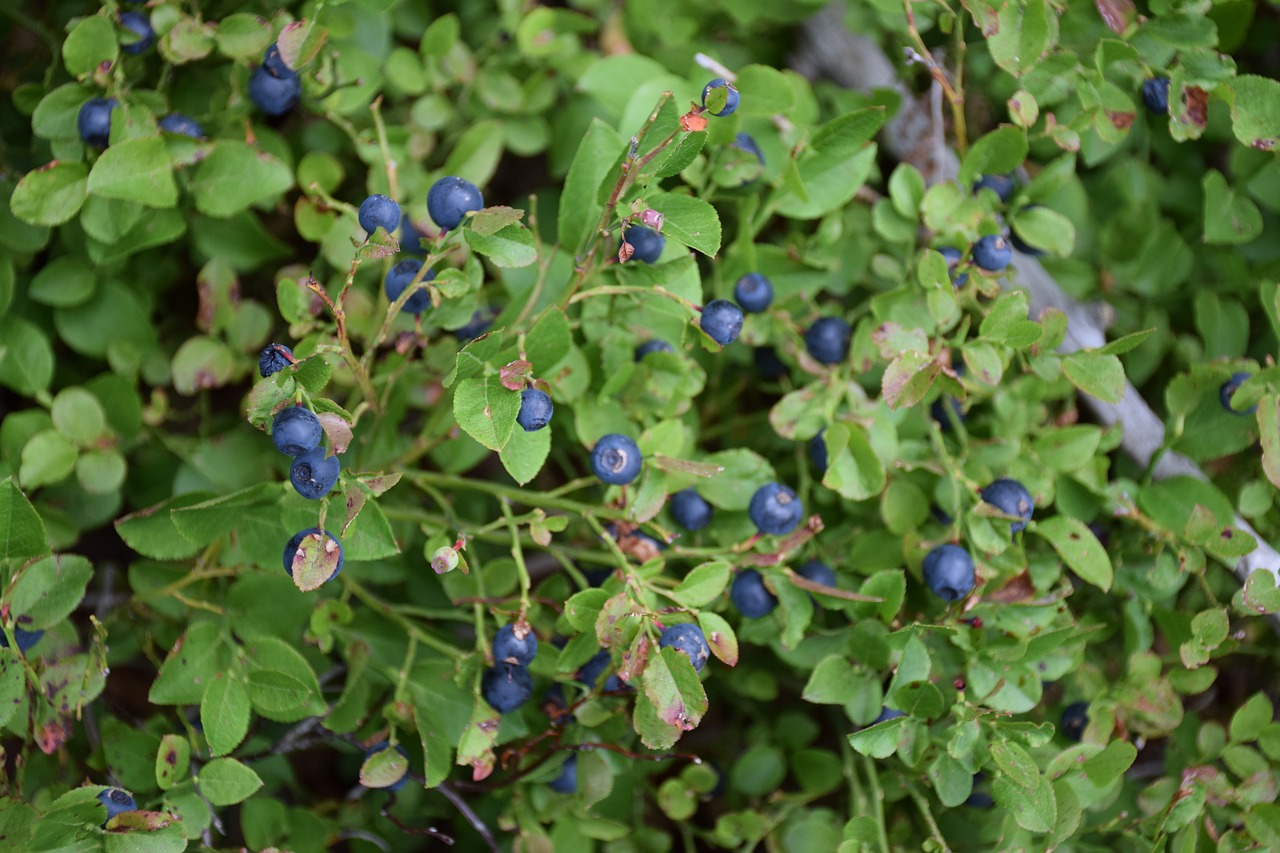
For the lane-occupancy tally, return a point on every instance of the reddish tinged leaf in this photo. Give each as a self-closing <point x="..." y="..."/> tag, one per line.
<point x="514" y="376"/>
<point x="140" y="821"/>
<point x="720" y="637"/>
<point x="634" y="660"/>
<point x="690" y="122"/>
<point x="1121" y="121"/>
<point x="337" y="429"/>
<point x="475" y="749"/>
<point x="1116" y="14"/>
<point x="1197" y="104"/>
<point x="625" y="251"/>
<point x="1018" y="589"/>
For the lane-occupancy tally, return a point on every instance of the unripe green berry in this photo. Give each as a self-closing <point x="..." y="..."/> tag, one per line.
<point x="444" y="560"/>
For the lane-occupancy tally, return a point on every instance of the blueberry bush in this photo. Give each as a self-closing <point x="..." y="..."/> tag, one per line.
<point x="570" y="426"/>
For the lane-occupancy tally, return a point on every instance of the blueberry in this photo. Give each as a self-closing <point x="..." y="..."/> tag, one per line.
<point x="887" y="713"/>
<point x="614" y="684"/>
<point x="992" y="253"/>
<point x="768" y="363"/>
<point x="1075" y="719"/>
<point x="137" y="24"/>
<point x="381" y="747"/>
<point x="181" y="125"/>
<point x="948" y="572"/>
<point x="296" y="430"/>
<point x="753" y="292"/>
<point x="616" y="459"/>
<point x="1011" y="498"/>
<point x="450" y="199"/>
<point x="117" y="802"/>
<point x="938" y="408"/>
<point x="818" y="451"/>
<point x="980" y="800"/>
<point x="722" y="320"/>
<point x="24" y="638"/>
<point x="749" y="594"/>
<point x="775" y="509"/>
<point x="953" y="257"/>
<point x="401" y="276"/>
<point x="589" y="673"/>
<point x="1002" y="185"/>
<point x="411" y="238"/>
<point x="646" y="244"/>
<point x="688" y="638"/>
<point x="567" y="781"/>
<point x="690" y="510"/>
<point x="731" y="101"/>
<point x="313" y="474"/>
<point x="94" y="121"/>
<point x="536" y="409"/>
<point x="506" y="687"/>
<point x="273" y="62"/>
<point x="1155" y="95"/>
<point x="744" y="142"/>
<point x="379" y="210"/>
<point x="818" y="572"/>
<point x="273" y="359"/>
<point x="652" y="345"/>
<point x="481" y="321"/>
<point x="827" y="340"/>
<point x="273" y="95"/>
<point x="509" y="648"/>
<point x="295" y="542"/>
<point x="1229" y="388"/>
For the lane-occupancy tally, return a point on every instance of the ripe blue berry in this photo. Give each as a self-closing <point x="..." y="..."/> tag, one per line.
<point x="117" y="802"/>
<point x="1011" y="498"/>
<point x="746" y="143"/>
<point x="775" y="509"/>
<point x="24" y="638"/>
<point x="327" y="542"/>
<point x="1229" y="388"/>
<point x="506" y="687"/>
<point x="296" y="430"/>
<point x="768" y="363"/>
<point x="948" y="572"/>
<point x="313" y="474"/>
<point x="753" y="292"/>
<point x="688" y="638"/>
<point x="274" y="95"/>
<point x="616" y="459"/>
<point x="481" y="321"/>
<point x="722" y="320"/>
<point x="614" y="684"/>
<point x="749" y="594"/>
<point x="379" y="211"/>
<point x="1155" y="95"/>
<point x="509" y="648"/>
<point x="382" y="747"/>
<point x="887" y="713"/>
<point x="818" y="451"/>
<point x="450" y="199"/>
<point x="536" y="409"/>
<point x="731" y="100"/>
<point x="181" y="125"/>
<point x="139" y="25"/>
<point x="1002" y="185"/>
<point x="401" y="276"/>
<point x="589" y="673"/>
<point x="94" y="121"/>
<point x="1075" y="719"/>
<point x="690" y="510"/>
<point x="992" y="253"/>
<point x="938" y="409"/>
<point x="827" y="340"/>
<point x="818" y="572"/>
<point x="411" y="237"/>
<point x="953" y="257"/>
<point x="273" y="359"/>
<point x="646" y="244"/>
<point x="567" y="781"/>
<point x="652" y="345"/>
<point x="273" y="62"/>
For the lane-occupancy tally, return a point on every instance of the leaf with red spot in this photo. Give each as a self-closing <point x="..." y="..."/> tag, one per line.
<point x="720" y="637"/>
<point x="1116" y="14"/>
<point x="475" y="749"/>
<point x="672" y="702"/>
<point x="514" y="376"/>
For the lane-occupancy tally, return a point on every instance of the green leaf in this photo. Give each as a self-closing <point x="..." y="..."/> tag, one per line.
<point x="1034" y="807"/>
<point x="476" y="154"/>
<point x="1110" y="764"/>
<point x="173" y="760"/>
<point x="89" y="44"/>
<point x="1078" y="547"/>
<point x="192" y="663"/>
<point x="1269" y="433"/>
<point x="880" y="740"/>
<point x="384" y="768"/>
<point x="46" y="458"/>
<point x="136" y="170"/>
<point x="1230" y="217"/>
<point x="486" y="410"/>
<point x="13" y="685"/>
<point x="50" y="589"/>
<point x="63" y="282"/>
<point x="225" y="782"/>
<point x="26" y="358"/>
<point x="475" y="747"/>
<point x="1255" y="110"/>
<point x="686" y="149"/>
<point x="1096" y="374"/>
<point x="834" y="681"/>
<point x="1248" y="723"/>
<point x="908" y="378"/>
<point x="579" y="210"/>
<point x="765" y="91"/>
<point x="282" y="685"/>
<point x="78" y="415"/>
<point x="202" y="362"/>
<point x="703" y="585"/>
<point x="243" y="36"/>
<point x="742" y="472"/>
<point x="224" y="712"/>
<point x="674" y="697"/>
<point x="525" y="453"/>
<point x="510" y="246"/>
<point x="235" y="176"/>
<point x="50" y="195"/>
<point x="688" y="220"/>
<point x="1045" y="229"/>
<point x="22" y="531"/>
<point x="300" y="41"/>
<point x="998" y="152"/>
<point x="854" y="470"/>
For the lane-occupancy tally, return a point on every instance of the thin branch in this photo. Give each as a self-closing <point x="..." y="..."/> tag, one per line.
<point x="472" y="818"/>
